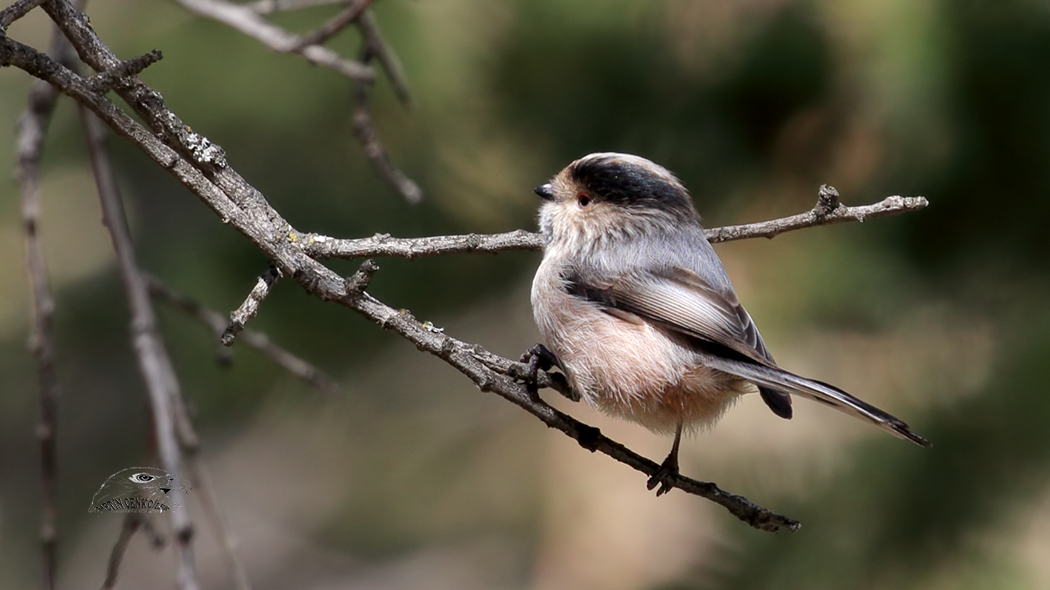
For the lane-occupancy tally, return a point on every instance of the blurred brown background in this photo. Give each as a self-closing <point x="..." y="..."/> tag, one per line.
<point x="412" y="478"/>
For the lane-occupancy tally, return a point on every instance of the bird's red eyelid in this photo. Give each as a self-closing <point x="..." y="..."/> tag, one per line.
<point x="583" y="198"/>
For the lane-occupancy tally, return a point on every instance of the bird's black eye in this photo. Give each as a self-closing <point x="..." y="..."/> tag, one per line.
<point x="583" y="199"/>
<point x="142" y="477"/>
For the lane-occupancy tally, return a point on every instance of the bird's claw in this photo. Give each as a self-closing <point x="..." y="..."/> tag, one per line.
<point x="560" y="384"/>
<point x="664" y="476"/>
<point x="540" y="358"/>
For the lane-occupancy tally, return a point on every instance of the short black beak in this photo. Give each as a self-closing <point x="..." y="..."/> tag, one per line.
<point x="545" y="191"/>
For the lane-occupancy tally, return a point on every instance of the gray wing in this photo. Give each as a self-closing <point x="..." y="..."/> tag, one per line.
<point x="695" y="263"/>
<point x="680" y="300"/>
<point x="689" y="304"/>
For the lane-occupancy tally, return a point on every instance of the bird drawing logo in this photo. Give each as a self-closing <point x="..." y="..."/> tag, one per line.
<point x="138" y="489"/>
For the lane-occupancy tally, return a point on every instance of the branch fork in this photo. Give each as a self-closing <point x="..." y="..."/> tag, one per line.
<point x="103" y="82"/>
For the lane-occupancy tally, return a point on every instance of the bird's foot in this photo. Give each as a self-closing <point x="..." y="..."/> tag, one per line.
<point x="664" y="476"/>
<point x="540" y="358"/>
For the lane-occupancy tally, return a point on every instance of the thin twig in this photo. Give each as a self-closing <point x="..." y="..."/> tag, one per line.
<point x="132" y="521"/>
<point x="337" y="23"/>
<point x="32" y="129"/>
<point x="817" y="216"/>
<point x="264" y="7"/>
<point x="153" y="359"/>
<point x="320" y="246"/>
<point x="363" y="128"/>
<point x="376" y="153"/>
<point x="157" y="540"/>
<point x="257" y="340"/>
<point x="125" y="69"/>
<point x="243" y="314"/>
<point x="227" y="540"/>
<point x="189" y="442"/>
<point x="379" y="49"/>
<point x="359" y="281"/>
<point x="250" y="23"/>
<point x="384" y="245"/>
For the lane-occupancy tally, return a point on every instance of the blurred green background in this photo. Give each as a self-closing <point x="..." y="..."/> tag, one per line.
<point x="411" y="478"/>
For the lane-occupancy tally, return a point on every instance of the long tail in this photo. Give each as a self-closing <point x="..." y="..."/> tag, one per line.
<point x="780" y="380"/>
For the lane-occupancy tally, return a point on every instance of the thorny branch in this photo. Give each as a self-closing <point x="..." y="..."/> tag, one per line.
<point x="201" y="166"/>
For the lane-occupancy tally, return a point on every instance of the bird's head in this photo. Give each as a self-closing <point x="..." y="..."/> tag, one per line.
<point x="608" y="195"/>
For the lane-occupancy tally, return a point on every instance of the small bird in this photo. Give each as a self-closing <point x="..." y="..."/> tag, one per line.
<point x="638" y="312"/>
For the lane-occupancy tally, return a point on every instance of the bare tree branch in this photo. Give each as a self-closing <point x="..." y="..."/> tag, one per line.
<point x="321" y="246"/>
<point x="367" y="136"/>
<point x="257" y="340"/>
<point x="149" y="348"/>
<point x="380" y="50"/>
<point x="132" y="67"/>
<point x="817" y="216"/>
<point x="190" y="444"/>
<point x="364" y="130"/>
<point x="31" y="132"/>
<point x="478" y="364"/>
<point x="227" y="540"/>
<point x="384" y="245"/>
<point x="250" y="23"/>
<point x="265" y="7"/>
<point x="337" y="23"/>
<point x="32" y="128"/>
<point x="250" y="307"/>
<point x="132" y="522"/>
<point x="359" y="281"/>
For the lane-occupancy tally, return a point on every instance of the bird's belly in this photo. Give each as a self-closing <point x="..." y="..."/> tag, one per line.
<point x="633" y="369"/>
